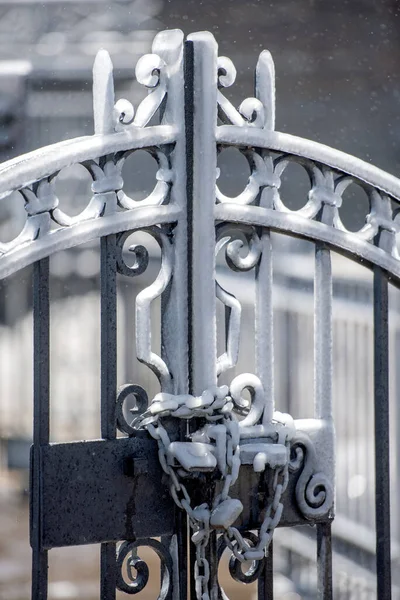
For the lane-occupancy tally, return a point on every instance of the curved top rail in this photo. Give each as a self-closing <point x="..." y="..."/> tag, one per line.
<point x="32" y="167"/>
<point x="119" y="129"/>
<point x="348" y="244"/>
<point x="291" y="144"/>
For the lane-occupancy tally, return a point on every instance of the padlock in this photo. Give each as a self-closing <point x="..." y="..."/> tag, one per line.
<point x="226" y="513"/>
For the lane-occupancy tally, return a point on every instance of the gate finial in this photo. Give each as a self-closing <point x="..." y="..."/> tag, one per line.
<point x="265" y="87"/>
<point x="103" y="93"/>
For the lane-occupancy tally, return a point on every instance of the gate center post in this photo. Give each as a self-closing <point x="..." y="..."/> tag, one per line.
<point x="201" y="121"/>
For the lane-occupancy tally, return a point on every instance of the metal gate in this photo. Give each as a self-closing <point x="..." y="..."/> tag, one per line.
<point x="214" y="464"/>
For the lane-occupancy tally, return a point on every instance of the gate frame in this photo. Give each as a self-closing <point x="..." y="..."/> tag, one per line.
<point x="185" y="88"/>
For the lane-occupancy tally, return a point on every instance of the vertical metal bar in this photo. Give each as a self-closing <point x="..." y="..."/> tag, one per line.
<point x="266" y="581"/>
<point x="127" y="292"/>
<point x="324" y="558"/>
<point x="108" y="357"/>
<point x="264" y="325"/>
<point x="397" y="430"/>
<point x="201" y="115"/>
<point x="264" y="328"/>
<point x="189" y="127"/>
<point x="201" y="199"/>
<point x="345" y="425"/>
<point x="381" y="405"/>
<point x="103" y="106"/>
<point x="323" y="333"/>
<point x="169" y="46"/>
<point x="41" y="419"/>
<point x="265" y="92"/>
<point x="108" y="360"/>
<point x="187" y="551"/>
<point x="323" y="394"/>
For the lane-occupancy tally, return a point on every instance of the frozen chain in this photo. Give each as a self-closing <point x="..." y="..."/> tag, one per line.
<point x="215" y="406"/>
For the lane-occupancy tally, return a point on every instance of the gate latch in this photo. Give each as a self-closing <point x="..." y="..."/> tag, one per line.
<point x="192" y="456"/>
<point x="261" y="454"/>
<point x="223" y="442"/>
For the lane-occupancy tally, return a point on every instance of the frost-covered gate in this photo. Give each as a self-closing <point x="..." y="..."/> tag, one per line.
<point x="200" y="459"/>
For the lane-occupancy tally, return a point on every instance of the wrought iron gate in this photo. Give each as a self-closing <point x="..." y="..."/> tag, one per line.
<point x="200" y="460"/>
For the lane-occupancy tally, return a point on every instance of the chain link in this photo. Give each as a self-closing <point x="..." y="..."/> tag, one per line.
<point x="215" y="406"/>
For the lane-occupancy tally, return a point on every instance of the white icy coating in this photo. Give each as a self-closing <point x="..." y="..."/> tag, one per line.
<point x="34" y="166"/>
<point x="261" y="454"/>
<point x="48" y="228"/>
<point x="144" y="299"/>
<point x="226" y="513"/>
<point x="230" y="357"/>
<point x="285" y="142"/>
<point x="203" y="242"/>
<point x="322" y="435"/>
<point x="103" y="93"/>
<point x="193" y="456"/>
<point x="263" y="437"/>
<point x="120" y="127"/>
<point x="169" y="46"/>
<point x="356" y="247"/>
<point x="59" y="239"/>
<point x="323" y="334"/>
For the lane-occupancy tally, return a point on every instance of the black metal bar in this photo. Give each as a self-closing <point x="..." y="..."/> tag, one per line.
<point x="324" y="561"/>
<point x="41" y="420"/>
<point x="266" y="580"/>
<point x="108" y="336"/>
<point x="382" y="466"/>
<point x="397" y="421"/>
<point x="182" y="530"/>
<point x="108" y="571"/>
<point x="212" y="557"/>
<point x="189" y="130"/>
<point x="108" y="358"/>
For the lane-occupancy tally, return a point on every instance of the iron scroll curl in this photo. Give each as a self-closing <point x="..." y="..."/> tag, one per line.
<point x="127" y="551"/>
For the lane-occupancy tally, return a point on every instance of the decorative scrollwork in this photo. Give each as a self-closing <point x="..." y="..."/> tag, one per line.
<point x="42" y="204"/>
<point x="255" y="407"/>
<point x="236" y="571"/>
<point x="233" y="311"/>
<point x="237" y="239"/>
<point x="141" y="404"/>
<point x="263" y="174"/>
<point x="136" y="583"/>
<point x="150" y="71"/>
<point x="250" y="112"/>
<point x="144" y="299"/>
<point x="119" y="131"/>
<point x="138" y="252"/>
<point x="124" y="112"/>
<point x="314" y="491"/>
<point x="162" y="187"/>
<point x="250" y="128"/>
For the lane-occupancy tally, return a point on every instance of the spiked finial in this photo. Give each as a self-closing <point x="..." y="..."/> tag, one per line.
<point x="103" y="93"/>
<point x="265" y="87"/>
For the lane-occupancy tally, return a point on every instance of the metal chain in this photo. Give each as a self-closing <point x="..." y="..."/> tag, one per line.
<point x="214" y="405"/>
<point x="199" y="517"/>
<point x="235" y="541"/>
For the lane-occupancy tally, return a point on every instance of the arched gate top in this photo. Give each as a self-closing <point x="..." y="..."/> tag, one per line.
<point x="120" y="130"/>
